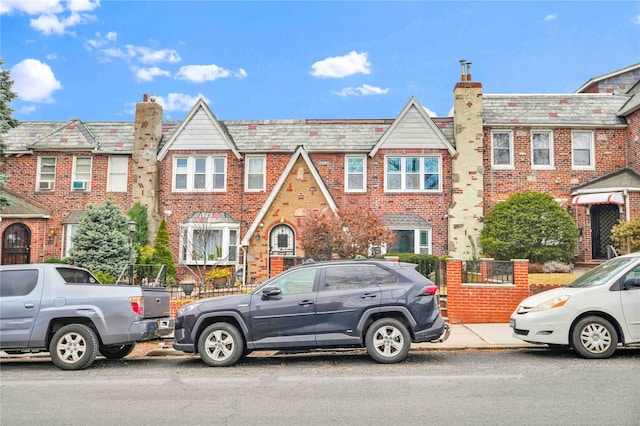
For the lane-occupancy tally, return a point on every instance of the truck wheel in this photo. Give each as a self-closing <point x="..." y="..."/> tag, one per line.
<point x="116" y="351"/>
<point x="594" y="337"/>
<point x="73" y="347"/>
<point x="388" y="341"/>
<point x="220" y="345"/>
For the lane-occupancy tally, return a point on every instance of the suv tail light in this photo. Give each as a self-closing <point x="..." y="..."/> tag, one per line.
<point x="430" y="290"/>
<point x="137" y="305"/>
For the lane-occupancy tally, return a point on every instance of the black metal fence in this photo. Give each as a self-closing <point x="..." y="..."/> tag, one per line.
<point x="487" y="272"/>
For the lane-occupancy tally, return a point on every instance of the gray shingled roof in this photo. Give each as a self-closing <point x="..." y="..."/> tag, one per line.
<point x="19" y="207"/>
<point x="405" y="221"/>
<point x="566" y="110"/>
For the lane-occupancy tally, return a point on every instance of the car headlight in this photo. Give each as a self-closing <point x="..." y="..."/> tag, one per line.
<point x="555" y="302"/>
<point x="187" y="308"/>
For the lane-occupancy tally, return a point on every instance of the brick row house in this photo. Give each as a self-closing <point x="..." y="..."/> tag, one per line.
<point x="244" y="187"/>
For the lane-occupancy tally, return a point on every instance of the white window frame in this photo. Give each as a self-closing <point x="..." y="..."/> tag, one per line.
<point x="50" y="183"/>
<point x="229" y="255"/>
<point x="493" y="148"/>
<point x="348" y="173"/>
<point x="68" y="231"/>
<point x="190" y="171"/>
<point x="263" y="172"/>
<point x="418" y="247"/>
<point x="118" y="173"/>
<point x="551" y="164"/>
<point x="81" y="180"/>
<point x="403" y="173"/>
<point x="592" y="150"/>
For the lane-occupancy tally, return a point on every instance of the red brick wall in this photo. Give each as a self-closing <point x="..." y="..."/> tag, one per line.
<point x="484" y="303"/>
<point x="633" y="140"/>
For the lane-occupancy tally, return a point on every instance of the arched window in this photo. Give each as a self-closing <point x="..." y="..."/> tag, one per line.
<point x="282" y="241"/>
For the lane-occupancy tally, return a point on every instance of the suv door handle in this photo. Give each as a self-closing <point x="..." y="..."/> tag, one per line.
<point x="28" y="305"/>
<point x="368" y="296"/>
<point x="306" y="302"/>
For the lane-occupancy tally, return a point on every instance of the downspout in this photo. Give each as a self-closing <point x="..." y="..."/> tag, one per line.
<point x="627" y="208"/>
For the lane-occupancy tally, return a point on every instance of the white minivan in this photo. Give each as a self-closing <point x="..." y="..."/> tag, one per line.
<point x="593" y="315"/>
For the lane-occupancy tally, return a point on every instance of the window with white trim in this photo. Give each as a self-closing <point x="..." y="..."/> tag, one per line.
<point x="355" y="173"/>
<point x="68" y="232"/>
<point x="255" y="173"/>
<point x="209" y="243"/>
<point x="502" y="149"/>
<point x="413" y="174"/>
<point x="81" y="179"/>
<point x="200" y="173"/>
<point x="118" y="173"/>
<point x="417" y="241"/>
<point x="582" y="150"/>
<point x="541" y="149"/>
<point x="46" y="174"/>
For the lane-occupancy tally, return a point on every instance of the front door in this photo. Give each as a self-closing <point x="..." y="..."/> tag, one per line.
<point x="603" y="218"/>
<point x="16" y="244"/>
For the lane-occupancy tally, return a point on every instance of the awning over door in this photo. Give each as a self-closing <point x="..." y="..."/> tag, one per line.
<point x="599" y="198"/>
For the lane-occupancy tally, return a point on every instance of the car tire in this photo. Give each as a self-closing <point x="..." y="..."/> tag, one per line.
<point x="594" y="337"/>
<point x="116" y="351"/>
<point x="73" y="347"/>
<point x="220" y="345"/>
<point x="388" y="341"/>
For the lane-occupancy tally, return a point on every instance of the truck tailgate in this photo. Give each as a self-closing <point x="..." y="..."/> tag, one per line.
<point x="156" y="302"/>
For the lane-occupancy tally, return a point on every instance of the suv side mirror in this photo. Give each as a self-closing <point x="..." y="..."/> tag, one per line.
<point x="271" y="291"/>
<point x="631" y="283"/>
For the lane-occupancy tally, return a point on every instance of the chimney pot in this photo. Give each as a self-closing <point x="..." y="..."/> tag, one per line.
<point x="468" y="71"/>
<point x="145" y="97"/>
<point x="462" y="72"/>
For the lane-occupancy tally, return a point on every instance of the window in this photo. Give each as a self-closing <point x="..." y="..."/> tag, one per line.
<point x="355" y="173"/>
<point x="411" y="241"/>
<point x="413" y="174"/>
<point x="542" y="149"/>
<point x="348" y="277"/>
<point x="582" y="150"/>
<point x="46" y="174"/>
<point x="81" y="180"/>
<point x="208" y="243"/>
<point x="200" y="173"/>
<point x="67" y="243"/>
<point x="502" y="149"/>
<point x="255" y="173"/>
<point x="118" y="172"/>
<point x="296" y="282"/>
<point x="18" y="282"/>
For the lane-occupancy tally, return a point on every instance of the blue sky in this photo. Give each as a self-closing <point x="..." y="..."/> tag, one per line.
<point x="287" y="60"/>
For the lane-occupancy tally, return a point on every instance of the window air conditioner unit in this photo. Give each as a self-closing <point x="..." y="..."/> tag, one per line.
<point x="79" y="185"/>
<point x="46" y="185"/>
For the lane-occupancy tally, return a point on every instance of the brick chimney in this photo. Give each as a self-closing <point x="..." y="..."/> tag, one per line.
<point x="147" y="134"/>
<point x="467" y="210"/>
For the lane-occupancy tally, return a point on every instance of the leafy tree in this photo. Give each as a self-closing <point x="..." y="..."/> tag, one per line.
<point x="6" y="120"/>
<point x="353" y="232"/>
<point x="102" y="240"/>
<point x="626" y="235"/>
<point x="138" y="213"/>
<point x="162" y="251"/>
<point x="529" y="225"/>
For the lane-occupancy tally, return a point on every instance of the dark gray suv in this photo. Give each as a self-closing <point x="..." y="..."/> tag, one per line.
<point x="380" y="305"/>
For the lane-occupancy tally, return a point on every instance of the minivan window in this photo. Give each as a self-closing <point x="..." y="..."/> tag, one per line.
<point x="602" y="274"/>
<point x="18" y="282"/>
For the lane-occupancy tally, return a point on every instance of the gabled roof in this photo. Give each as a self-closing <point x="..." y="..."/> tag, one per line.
<point x="19" y="207"/>
<point x="209" y="125"/>
<point x="624" y="179"/>
<point x="300" y="152"/>
<point x="72" y="135"/>
<point x="632" y="105"/>
<point x="413" y="127"/>
<point x="632" y="71"/>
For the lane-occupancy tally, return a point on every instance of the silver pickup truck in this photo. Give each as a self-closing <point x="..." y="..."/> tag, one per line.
<point x="64" y="310"/>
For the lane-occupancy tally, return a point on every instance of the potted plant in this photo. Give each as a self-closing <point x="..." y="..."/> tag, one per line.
<point x="219" y="276"/>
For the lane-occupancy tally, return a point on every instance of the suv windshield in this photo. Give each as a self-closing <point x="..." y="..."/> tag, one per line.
<point x="601" y="274"/>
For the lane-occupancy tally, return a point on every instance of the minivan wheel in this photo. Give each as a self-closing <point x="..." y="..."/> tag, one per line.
<point x="594" y="337"/>
<point x="220" y="345"/>
<point x="73" y="347"/>
<point x="388" y="341"/>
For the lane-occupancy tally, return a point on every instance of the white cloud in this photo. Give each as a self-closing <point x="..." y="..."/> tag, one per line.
<point x="148" y="56"/>
<point x="28" y="109"/>
<point x="111" y="53"/>
<point x="82" y="5"/>
<point x="179" y="101"/>
<point x="148" y="74"/>
<point x="429" y="112"/>
<point x="202" y="73"/>
<point x="34" y="81"/>
<point x="31" y="7"/>
<point x="342" y="66"/>
<point x="52" y="24"/>
<point x="100" y="40"/>
<point x="364" y="90"/>
<point x="550" y="17"/>
<point x="636" y="20"/>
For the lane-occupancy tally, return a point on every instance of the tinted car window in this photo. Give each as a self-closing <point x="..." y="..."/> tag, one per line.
<point x="383" y="277"/>
<point x="17" y="283"/>
<point x="77" y="276"/>
<point x="296" y="282"/>
<point x="343" y="277"/>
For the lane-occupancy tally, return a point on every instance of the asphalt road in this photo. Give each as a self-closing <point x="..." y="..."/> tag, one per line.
<point x="470" y="387"/>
